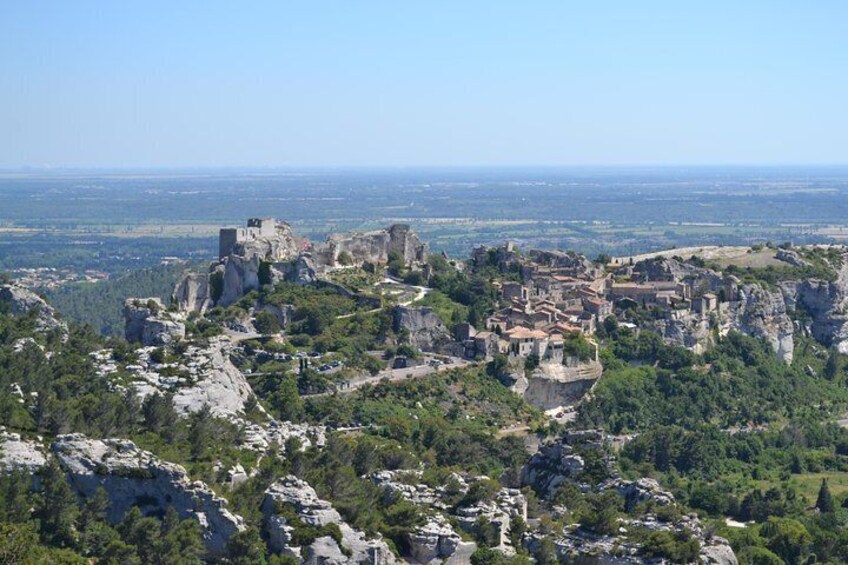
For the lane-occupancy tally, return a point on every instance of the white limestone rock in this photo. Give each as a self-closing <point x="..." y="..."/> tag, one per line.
<point x="149" y="323"/>
<point x="19" y="454"/>
<point x="134" y="477"/>
<point x="20" y="301"/>
<point x="426" y="330"/>
<point x="437" y="541"/>
<point x="312" y="510"/>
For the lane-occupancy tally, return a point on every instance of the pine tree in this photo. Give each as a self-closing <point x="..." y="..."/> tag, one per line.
<point x="824" y="502"/>
<point x="58" y="510"/>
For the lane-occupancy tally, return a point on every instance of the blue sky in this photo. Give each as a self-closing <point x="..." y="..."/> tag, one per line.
<point x="315" y="83"/>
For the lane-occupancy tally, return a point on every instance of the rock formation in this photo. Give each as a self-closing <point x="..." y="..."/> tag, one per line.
<point x="554" y="385"/>
<point x="134" y="477"/>
<point x="425" y="329"/>
<point x="21" y="301"/>
<point x="374" y="247"/>
<point x="20" y="454"/>
<point x="762" y="313"/>
<point x="149" y="323"/>
<point x="201" y="376"/>
<point x="436" y="540"/>
<point x="292" y="495"/>
<point x="827" y="304"/>
<point x="192" y="293"/>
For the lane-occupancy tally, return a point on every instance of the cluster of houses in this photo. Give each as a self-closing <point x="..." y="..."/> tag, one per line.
<point x="562" y="294"/>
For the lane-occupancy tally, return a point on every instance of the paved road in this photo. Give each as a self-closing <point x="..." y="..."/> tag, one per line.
<point x="396" y="375"/>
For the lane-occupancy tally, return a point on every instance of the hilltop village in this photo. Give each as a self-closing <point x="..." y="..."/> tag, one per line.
<point x="362" y="400"/>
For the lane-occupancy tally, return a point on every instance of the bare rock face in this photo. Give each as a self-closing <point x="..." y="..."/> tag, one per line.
<point x="21" y="301"/>
<point x="134" y="477"/>
<point x="201" y="376"/>
<point x="148" y="323"/>
<point x="668" y="269"/>
<point x="684" y="329"/>
<point x="298" y="271"/>
<point x="241" y="275"/>
<point x="762" y="313"/>
<point x="554" y="385"/>
<point x="295" y="494"/>
<point x="426" y="330"/>
<point x="221" y="385"/>
<point x="827" y="303"/>
<point x="437" y="541"/>
<point x="20" y="454"/>
<point x="374" y="246"/>
<point x="192" y="293"/>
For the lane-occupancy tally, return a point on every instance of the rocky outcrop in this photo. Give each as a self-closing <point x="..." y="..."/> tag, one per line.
<point x="200" y="376"/>
<point x="192" y="293"/>
<point x="437" y="540"/>
<point x="272" y="244"/>
<point x="374" y="247"/>
<point x="827" y="304"/>
<point x="300" y="271"/>
<point x="791" y="257"/>
<point x="667" y="269"/>
<point x="291" y="495"/>
<point x="20" y="301"/>
<point x="134" y="477"/>
<point x="147" y="322"/>
<point x="551" y="466"/>
<point x="554" y="385"/>
<point x="762" y="314"/>
<point x="684" y="329"/>
<point x="424" y="328"/>
<point x="20" y="454"/>
<point x="497" y="514"/>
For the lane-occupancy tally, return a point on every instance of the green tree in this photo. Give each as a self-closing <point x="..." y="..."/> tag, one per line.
<point x="17" y="543"/>
<point x="246" y="548"/>
<point x="833" y="366"/>
<point x="824" y="502"/>
<point x="286" y="399"/>
<point x="58" y="510"/>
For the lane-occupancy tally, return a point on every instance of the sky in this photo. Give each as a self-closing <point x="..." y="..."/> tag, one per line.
<point x="422" y="83"/>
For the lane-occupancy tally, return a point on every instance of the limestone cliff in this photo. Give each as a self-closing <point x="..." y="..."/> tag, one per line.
<point x="424" y="328"/>
<point x="134" y="477"/>
<point x="761" y="313"/>
<point x="20" y="301"/>
<point x="149" y="323"/>
<point x="201" y="376"/>
<point x="296" y="495"/>
<point x="827" y="304"/>
<point x="554" y="385"/>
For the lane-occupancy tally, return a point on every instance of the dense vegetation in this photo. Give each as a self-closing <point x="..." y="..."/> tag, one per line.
<point x="736" y="433"/>
<point x="99" y="304"/>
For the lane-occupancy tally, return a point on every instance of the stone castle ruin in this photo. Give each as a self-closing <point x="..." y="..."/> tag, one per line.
<point x="374" y="246"/>
<point x="267" y="251"/>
